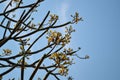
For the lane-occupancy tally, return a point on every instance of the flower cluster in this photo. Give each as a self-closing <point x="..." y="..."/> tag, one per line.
<point x="76" y="18"/>
<point x="7" y="51"/>
<point x="59" y="57"/>
<point x="68" y="51"/>
<point x="20" y="62"/>
<point x="69" y="30"/>
<point x="63" y="61"/>
<point x="53" y="17"/>
<point x="54" y="36"/>
<point x="63" y="71"/>
<point x="66" y="39"/>
<point x="57" y="38"/>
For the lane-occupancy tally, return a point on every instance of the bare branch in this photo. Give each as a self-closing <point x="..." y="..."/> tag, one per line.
<point x="7" y="71"/>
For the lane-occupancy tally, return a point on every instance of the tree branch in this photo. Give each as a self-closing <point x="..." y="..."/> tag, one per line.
<point x="6" y="72"/>
<point x="37" y="67"/>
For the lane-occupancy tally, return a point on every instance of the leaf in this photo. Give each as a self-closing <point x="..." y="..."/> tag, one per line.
<point x="22" y="47"/>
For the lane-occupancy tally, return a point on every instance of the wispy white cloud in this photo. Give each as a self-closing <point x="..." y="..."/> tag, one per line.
<point x="63" y="11"/>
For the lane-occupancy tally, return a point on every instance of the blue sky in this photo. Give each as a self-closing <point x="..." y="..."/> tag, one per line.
<point x="97" y="35"/>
